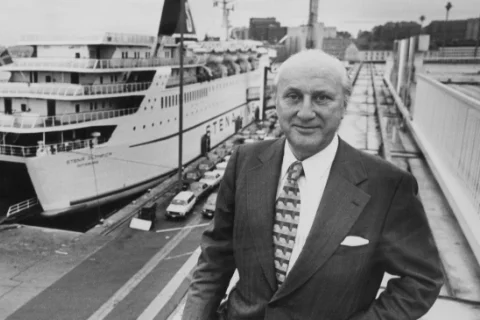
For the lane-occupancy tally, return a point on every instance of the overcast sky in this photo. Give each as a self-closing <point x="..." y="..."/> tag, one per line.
<point x="19" y="17"/>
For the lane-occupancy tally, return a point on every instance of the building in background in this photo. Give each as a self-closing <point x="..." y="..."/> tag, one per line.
<point x="296" y="40"/>
<point x="458" y="32"/>
<point x="240" y="33"/>
<point x="337" y="47"/>
<point x="266" y="29"/>
<point x="330" y="32"/>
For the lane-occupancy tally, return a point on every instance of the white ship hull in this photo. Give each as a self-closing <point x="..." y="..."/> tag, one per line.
<point x="141" y="150"/>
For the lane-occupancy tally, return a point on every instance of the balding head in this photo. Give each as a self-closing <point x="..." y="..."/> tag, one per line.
<point x="312" y="89"/>
<point x="316" y="61"/>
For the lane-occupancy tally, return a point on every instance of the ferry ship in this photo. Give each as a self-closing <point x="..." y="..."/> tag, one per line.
<point x="90" y="119"/>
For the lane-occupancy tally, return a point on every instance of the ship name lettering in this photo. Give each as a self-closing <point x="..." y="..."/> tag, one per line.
<point x="73" y="161"/>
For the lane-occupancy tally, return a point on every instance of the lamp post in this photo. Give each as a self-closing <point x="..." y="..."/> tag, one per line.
<point x="447" y="7"/>
<point x="422" y="19"/>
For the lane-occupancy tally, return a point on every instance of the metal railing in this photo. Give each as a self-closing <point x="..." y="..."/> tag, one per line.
<point x="22" y="206"/>
<point x="49" y="149"/>
<point x="57" y="89"/>
<point x="28" y="121"/>
<point x="107" y="37"/>
<point x="450" y="121"/>
<point x="102" y="64"/>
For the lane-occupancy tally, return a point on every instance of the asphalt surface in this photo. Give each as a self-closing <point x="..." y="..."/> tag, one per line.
<point x="85" y="289"/>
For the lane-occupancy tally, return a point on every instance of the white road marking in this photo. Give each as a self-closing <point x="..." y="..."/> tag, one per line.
<point x="180" y="228"/>
<point x="121" y="293"/>
<point x="169" y="290"/>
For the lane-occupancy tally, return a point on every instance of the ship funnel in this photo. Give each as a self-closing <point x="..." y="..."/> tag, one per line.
<point x="170" y="21"/>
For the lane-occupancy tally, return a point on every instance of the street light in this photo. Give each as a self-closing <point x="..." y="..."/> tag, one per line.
<point x="447" y="7"/>
<point x="422" y="19"/>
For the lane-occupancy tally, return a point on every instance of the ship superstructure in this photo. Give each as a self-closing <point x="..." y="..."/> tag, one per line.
<point x="88" y="120"/>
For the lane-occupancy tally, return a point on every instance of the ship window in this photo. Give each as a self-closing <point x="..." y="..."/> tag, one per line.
<point x="77" y="108"/>
<point x="134" y="128"/>
<point x="111" y="79"/>
<point x="176" y="99"/>
<point x="144" y="126"/>
<point x="24" y="107"/>
<point x="95" y="105"/>
<point x="91" y="106"/>
<point x="161" y="102"/>
<point x="169" y="101"/>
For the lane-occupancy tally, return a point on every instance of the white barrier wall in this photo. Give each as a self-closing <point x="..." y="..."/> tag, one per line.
<point x="450" y="121"/>
<point x="446" y="126"/>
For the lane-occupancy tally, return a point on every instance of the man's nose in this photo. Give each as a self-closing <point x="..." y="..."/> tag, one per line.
<point x="306" y="111"/>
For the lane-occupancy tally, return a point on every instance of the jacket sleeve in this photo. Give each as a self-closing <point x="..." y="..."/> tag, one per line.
<point x="216" y="263"/>
<point x="406" y="250"/>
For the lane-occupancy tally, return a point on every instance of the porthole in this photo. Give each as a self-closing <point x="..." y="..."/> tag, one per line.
<point x="134" y="128"/>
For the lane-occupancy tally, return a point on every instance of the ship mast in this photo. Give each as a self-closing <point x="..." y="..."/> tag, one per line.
<point x="227" y="6"/>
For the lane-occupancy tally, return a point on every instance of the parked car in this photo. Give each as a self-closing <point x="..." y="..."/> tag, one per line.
<point x="199" y="189"/>
<point x="181" y="204"/>
<point x="209" y="206"/>
<point x="222" y="166"/>
<point x="193" y="175"/>
<point x="206" y="165"/>
<point x="226" y="158"/>
<point x="212" y="178"/>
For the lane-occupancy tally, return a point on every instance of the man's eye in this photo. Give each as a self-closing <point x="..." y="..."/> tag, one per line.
<point x="292" y="96"/>
<point x="321" y="98"/>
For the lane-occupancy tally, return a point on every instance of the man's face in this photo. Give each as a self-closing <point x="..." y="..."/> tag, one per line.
<point x="310" y="106"/>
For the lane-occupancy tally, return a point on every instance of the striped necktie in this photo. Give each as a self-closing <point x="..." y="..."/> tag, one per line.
<point x="287" y="215"/>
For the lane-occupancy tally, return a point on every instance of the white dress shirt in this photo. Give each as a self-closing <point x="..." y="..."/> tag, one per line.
<point x="312" y="184"/>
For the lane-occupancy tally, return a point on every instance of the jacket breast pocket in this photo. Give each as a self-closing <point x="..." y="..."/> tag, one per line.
<point x="354" y="251"/>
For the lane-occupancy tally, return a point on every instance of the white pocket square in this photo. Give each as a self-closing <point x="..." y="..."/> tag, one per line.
<point x="354" y="241"/>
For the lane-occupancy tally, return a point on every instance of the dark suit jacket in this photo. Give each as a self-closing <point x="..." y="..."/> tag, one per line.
<point x="364" y="196"/>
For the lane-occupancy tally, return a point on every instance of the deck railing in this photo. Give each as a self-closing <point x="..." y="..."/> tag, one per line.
<point x="94" y="64"/>
<point x="49" y="149"/>
<point x="22" y="206"/>
<point x="450" y="121"/>
<point x="57" y="89"/>
<point x="29" y="121"/>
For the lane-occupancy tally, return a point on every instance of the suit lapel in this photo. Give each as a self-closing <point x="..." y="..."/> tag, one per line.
<point x="341" y="204"/>
<point x="262" y="181"/>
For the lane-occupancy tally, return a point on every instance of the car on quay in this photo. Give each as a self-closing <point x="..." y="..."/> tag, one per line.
<point x="212" y="178"/>
<point x="209" y="206"/>
<point x="181" y="204"/>
<point x="199" y="189"/>
<point x="206" y="165"/>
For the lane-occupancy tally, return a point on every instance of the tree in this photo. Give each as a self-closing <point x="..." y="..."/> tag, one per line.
<point x="344" y="35"/>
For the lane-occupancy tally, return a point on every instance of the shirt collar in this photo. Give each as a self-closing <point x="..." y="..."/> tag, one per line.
<point x="314" y="166"/>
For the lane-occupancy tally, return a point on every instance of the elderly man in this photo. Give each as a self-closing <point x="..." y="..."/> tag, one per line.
<point x="311" y="223"/>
